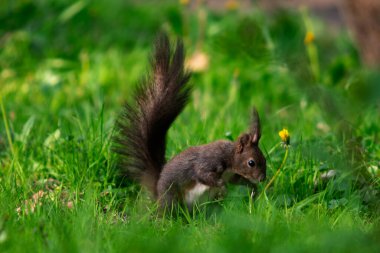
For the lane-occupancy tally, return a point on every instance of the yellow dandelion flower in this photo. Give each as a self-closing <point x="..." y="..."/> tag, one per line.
<point x="309" y="38"/>
<point x="184" y="2"/>
<point x="231" y="5"/>
<point x="284" y="135"/>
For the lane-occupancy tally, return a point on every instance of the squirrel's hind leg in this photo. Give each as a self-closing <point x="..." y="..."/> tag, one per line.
<point x="167" y="198"/>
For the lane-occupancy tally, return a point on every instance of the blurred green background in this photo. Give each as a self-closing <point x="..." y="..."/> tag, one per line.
<point x="66" y="67"/>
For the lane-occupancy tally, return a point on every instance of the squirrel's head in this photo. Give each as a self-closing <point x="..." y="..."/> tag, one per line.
<point x="249" y="162"/>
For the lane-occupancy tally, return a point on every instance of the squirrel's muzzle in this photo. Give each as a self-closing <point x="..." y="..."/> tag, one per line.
<point x="262" y="177"/>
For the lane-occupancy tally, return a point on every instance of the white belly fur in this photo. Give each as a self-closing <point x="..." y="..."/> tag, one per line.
<point x="195" y="193"/>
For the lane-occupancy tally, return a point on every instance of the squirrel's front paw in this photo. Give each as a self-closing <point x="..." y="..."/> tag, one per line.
<point x="220" y="183"/>
<point x="221" y="192"/>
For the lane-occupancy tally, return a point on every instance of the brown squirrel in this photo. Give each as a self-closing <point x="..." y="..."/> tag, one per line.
<point x="140" y="139"/>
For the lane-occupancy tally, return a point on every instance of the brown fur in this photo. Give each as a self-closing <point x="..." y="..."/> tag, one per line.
<point x="140" y="140"/>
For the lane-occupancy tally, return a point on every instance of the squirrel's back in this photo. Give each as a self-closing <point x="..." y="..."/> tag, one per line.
<point x="141" y="129"/>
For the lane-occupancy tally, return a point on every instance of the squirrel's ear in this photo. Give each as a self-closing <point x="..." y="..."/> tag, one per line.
<point x="243" y="140"/>
<point x="255" y="127"/>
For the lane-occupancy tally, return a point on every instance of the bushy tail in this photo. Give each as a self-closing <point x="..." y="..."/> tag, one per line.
<point x="140" y="139"/>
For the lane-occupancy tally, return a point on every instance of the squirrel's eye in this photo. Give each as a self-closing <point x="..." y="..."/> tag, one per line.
<point x="251" y="163"/>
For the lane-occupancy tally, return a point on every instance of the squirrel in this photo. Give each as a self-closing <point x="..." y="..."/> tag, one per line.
<point x="140" y="139"/>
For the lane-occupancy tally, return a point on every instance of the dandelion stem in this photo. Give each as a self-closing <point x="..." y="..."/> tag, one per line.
<point x="278" y="170"/>
<point x="312" y="50"/>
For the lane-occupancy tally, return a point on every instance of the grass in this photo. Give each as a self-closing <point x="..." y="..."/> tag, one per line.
<point x="66" y="68"/>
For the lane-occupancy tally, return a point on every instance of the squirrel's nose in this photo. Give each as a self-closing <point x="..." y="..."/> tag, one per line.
<point x="262" y="177"/>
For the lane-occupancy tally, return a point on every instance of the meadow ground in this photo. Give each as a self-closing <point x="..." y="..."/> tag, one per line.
<point x="66" y="68"/>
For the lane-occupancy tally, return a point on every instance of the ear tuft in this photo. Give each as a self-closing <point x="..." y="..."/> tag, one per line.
<point x="255" y="129"/>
